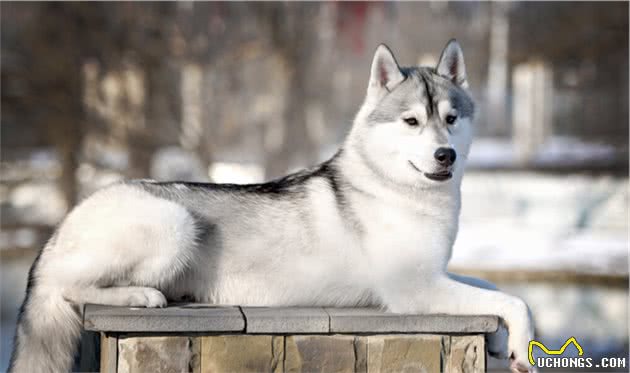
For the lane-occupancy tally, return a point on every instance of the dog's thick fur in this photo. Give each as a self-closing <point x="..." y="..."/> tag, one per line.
<point x="374" y="225"/>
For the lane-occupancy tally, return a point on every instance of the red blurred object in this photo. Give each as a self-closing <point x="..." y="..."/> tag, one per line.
<point x="351" y="22"/>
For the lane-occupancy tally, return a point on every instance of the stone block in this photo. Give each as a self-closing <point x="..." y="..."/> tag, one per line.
<point x="208" y="338"/>
<point x="369" y="320"/>
<point x="465" y="354"/>
<point x="157" y="354"/>
<point x="109" y="353"/>
<point x="318" y="353"/>
<point x="360" y="354"/>
<point x="287" y="320"/>
<point x="175" y="318"/>
<point x="242" y="353"/>
<point x="404" y="353"/>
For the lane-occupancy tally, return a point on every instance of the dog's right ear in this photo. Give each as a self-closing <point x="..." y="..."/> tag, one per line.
<point x="385" y="73"/>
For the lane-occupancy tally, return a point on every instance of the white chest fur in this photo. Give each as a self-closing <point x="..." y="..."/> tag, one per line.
<point x="399" y="237"/>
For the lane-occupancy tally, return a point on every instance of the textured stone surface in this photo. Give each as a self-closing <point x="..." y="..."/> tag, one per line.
<point x="465" y="354"/>
<point x="316" y="353"/>
<point x="360" y="354"/>
<point x="404" y="353"/>
<point x="234" y="353"/>
<point x="296" y="353"/>
<point x="109" y="353"/>
<point x="195" y="360"/>
<point x="178" y="318"/>
<point x="157" y="354"/>
<point x="367" y="320"/>
<point x="207" y="318"/>
<point x="366" y="340"/>
<point x="285" y="320"/>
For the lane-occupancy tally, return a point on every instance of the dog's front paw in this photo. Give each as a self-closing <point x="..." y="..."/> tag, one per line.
<point x="518" y="344"/>
<point x="517" y="365"/>
<point x="146" y="297"/>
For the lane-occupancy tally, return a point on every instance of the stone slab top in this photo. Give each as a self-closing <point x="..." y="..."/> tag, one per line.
<point x="207" y="318"/>
<point x="190" y="317"/>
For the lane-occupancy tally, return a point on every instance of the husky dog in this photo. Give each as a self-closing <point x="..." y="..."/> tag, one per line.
<point x="373" y="226"/>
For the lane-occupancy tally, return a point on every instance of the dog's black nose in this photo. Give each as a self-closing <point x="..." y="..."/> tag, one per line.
<point x="445" y="156"/>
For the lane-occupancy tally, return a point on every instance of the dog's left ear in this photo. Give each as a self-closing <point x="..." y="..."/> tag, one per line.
<point x="451" y="65"/>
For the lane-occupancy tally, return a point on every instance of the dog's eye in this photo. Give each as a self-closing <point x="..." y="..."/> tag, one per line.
<point x="450" y="119"/>
<point x="411" y="121"/>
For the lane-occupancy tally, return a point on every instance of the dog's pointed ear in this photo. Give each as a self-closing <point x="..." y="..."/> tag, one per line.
<point x="385" y="73"/>
<point x="451" y="65"/>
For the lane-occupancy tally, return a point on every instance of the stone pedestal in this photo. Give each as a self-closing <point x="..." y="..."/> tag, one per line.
<point x="204" y="339"/>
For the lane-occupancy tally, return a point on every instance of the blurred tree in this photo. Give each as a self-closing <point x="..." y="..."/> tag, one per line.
<point x="47" y="73"/>
<point x="586" y="44"/>
<point x="292" y="37"/>
<point x="291" y="71"/>
<point x="152" y="45"/>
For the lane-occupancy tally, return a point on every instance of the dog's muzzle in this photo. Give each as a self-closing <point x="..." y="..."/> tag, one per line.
<point x="436" y="176"/>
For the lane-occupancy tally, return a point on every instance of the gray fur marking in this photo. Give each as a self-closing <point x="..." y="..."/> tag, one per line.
<point x="424" y="85"/>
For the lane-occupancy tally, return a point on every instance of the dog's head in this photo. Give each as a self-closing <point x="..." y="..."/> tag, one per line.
<point x="414" y="127"/>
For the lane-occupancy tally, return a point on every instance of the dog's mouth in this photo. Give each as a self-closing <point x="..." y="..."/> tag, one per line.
<point x="439" y="176"/>
<point x="436" y="176"/>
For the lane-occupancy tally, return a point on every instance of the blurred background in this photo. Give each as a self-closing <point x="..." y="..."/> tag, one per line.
<point x="242" y="92"/>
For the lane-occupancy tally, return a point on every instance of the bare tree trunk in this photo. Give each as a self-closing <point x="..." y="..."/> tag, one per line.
<point x="498" y="69"/>
<point x="293" y="43"/>
<point x="69" y="154"/>
<point x="57" y="86"/>
<point x="140" y="146"/>
<point x="162" y="118"/>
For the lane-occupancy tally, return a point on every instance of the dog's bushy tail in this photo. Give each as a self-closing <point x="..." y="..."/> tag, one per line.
<point x="48" y="330"/>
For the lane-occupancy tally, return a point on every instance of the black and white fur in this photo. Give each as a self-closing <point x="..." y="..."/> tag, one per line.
<point x="374" y="225"/>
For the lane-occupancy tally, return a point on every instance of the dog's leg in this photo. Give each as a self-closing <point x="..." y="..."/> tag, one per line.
<point x="122" y="247"/>
<point x="497" y="341"/>
<point x="448" y="296"/>
<point x="130" y="296"/>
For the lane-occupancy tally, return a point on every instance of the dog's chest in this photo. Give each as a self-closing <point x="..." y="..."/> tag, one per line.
<point x="399" y="233"/>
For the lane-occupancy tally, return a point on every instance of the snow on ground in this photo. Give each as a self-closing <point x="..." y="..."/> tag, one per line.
<point x="541" y="222"/>
<point x="557" y="151"/>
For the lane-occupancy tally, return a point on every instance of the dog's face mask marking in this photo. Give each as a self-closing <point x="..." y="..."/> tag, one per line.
<point x="416" y="127"/>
